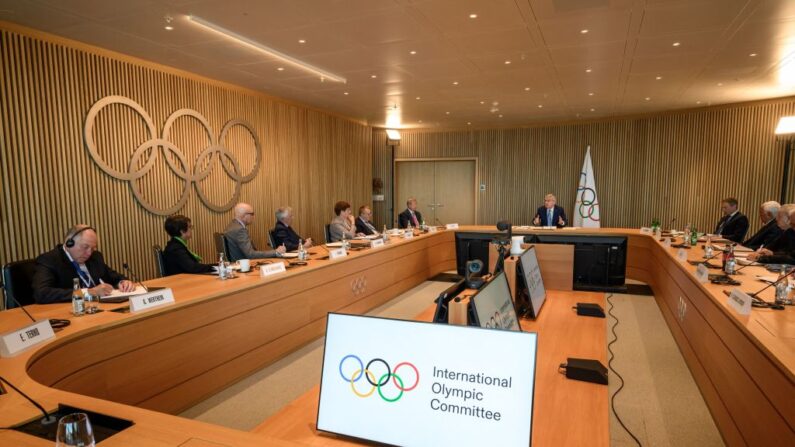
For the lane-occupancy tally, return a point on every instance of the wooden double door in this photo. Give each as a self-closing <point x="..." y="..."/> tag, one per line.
<point x="445" y="190"/>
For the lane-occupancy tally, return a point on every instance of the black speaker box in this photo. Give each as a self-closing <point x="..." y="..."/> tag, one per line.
<point x="586" y="370"/>
<point x="590" y="310"/>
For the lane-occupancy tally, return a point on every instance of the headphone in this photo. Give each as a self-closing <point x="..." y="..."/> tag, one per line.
<point x="70" y="240"/>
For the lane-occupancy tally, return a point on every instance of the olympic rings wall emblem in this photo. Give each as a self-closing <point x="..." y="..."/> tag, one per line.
<point x="382" y="382"/>
<point x="148" y="151"/>
<point x="358" y="285"/>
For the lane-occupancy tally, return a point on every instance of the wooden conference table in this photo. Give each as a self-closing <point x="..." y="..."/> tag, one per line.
<point x="148" y="366"/>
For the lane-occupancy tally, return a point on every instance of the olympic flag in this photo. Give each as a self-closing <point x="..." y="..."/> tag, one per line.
<point x="586" y="206"/>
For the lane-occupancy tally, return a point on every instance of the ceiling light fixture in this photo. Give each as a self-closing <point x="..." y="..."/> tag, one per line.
<point x="648" y="98"/>
<point x="540" y="106"/>
<point x="583" y="31"/>
<point x="500" y="116"/>
<point x="786" y="125"/>
<point x="588" y="70"/>
<point x="593" y="110"/>
<point x="455" y="82"/>
<point x="527" y="89"/>
<point x="302" y="41"/>
<point x="483" y="102"/>
<point x="658" y="78"/>
<point x="473" y="16"/>
<point x="676" y="44"/>
<point x="412" y="52"/>
<point x="446" y="113"/>
<point x="507" y="62"/>
<point x="752" y="54"/>
<point x="280" y="68"/>
<point x="345" y="93"/>
<point x="590" y="94"/>
<point x="469" y="123"/>
<point x="266" y="49"/>
<point x="373" y="76"/>
<point x="168" y="26"/>
<point x="417" y="98"/>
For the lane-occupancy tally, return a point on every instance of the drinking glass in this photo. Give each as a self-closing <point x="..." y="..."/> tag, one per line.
<point x="74" y="430"/>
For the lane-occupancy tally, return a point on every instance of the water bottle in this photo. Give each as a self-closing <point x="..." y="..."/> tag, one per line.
<point x="384" y="235"/>
<point x="423" y="227"/>
<point x="731" y="263"/>
<point x="78" y="305"/>
<point x="221" y="266"/>
<point x="782" y="294"/>
<point x="693" y="237"/>
<point x="301" y="250"/>
<point x="686" y="242"/>
<point x="708" y="249"/>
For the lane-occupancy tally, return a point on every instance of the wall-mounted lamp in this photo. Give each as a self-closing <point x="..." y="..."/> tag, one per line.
<point x="392" y="137"/>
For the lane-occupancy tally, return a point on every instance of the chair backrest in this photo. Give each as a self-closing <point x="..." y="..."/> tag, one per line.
<point x="327" y="233"/>
<point x="272" y="238"/>
<point x="222" y="245"/>
<point x="159" y="263"/>
<point x="18" y="282"/>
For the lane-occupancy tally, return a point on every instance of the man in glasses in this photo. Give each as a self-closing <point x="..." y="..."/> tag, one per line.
<point x="240" y="244"/>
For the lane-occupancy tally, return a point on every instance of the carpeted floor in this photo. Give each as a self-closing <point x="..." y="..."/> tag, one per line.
<point x="660" y="402"/>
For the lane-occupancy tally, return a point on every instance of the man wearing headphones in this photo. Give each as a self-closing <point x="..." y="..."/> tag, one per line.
<point x="76" y="258"/>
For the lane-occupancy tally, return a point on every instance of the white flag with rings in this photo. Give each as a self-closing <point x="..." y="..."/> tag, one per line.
<point x="586" y="205"/>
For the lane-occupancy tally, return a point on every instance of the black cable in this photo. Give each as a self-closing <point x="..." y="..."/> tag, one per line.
<point x="610" y="365"/>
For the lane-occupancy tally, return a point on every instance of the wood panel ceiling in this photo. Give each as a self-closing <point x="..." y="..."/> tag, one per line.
<point x="637" y="56"/>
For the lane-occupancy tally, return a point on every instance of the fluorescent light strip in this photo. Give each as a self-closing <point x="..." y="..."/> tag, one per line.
<point x="786" y="125"/>
<point x="267" y="50"/>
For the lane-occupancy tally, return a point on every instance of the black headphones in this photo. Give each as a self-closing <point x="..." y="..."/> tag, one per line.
<point x="70" y="241"/>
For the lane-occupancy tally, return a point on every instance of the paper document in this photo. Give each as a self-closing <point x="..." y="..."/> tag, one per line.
<point x="290" y="254"/>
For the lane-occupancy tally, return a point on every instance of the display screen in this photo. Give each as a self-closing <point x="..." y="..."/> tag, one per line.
<point x="494" y="307"/>
<point x="532" y="279"/>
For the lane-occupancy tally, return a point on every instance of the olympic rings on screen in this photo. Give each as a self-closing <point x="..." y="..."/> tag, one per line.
<point x="382" y="382"/>
<point x="145" y="155"/>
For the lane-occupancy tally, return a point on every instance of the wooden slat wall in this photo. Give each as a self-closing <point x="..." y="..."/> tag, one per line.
<point x="310" y="159"/>
<point x="668" y="165"/>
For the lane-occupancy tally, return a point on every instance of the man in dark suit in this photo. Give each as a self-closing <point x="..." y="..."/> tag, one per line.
<point x="410" y="215"/>
<point x="550" y="215"/>
<point x="769" y="231"/>
<point x="733" y="225"/>
<point x="177" y="257"/>
<point x="782" y="250"/>
<point x="363" y="224"/>
<point x="283" y="233"/>
<point x="240" y="245"/>
<point x="76" y="258"/>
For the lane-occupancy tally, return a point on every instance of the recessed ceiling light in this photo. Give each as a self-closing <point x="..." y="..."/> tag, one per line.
<point x="417" y="98"/>
<point x="583" y="31"/>
<point x="446" y="113"/>
<point x="483" y="102"/>
<point x="373" y="76"/>
<point x="469" y="123"/>
<point x="419" y="121"/>
<point x="280" y="68"/>
<point x="658" y="78"/>
<point x="507" y="62"/>
<point x="500" y="116"/>
<point x="473" y="16"/>
<point x="168" y="26"/>
<point x="590" y="94"/>
<point x="540" y="106"/>
<point x="720" y="84"/>
<point x="593" y="110"/>
<point x="588" y="70"/>
<point x="752" y="54"/>
<point x="698" y="102"/>
<point x="527" y="89"/>
<point x="412" y="52"/>
<point x="455" y="82"/>
<point x="648" y="98"/>
<point x="301" y="40"/>
<point x="676" y="44"/>
<point x="345" y="93"/>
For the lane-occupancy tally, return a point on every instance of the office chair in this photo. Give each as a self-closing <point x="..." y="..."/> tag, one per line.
<point x="327" y="232"/>
<point x="222" y="245"/>
<point x="272" y="238"/>
<point x="18" y="282"/>
<point x="159" y="262"/>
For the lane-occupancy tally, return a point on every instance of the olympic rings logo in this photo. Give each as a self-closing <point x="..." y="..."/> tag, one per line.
<point x="358" y="285"/>
<point x="587" y="206"/>
<point x="369" y="373"/>
<point x="497" y="321"/>
<point x="148" y="152"/>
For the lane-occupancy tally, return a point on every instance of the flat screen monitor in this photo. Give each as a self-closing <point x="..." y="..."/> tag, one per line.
<point x="492" y="306"/>
<point x="531" y="284"/>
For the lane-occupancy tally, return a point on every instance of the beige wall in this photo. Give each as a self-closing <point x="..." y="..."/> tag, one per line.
<point x="677" y="164"/>
<point x="310" y="159"/>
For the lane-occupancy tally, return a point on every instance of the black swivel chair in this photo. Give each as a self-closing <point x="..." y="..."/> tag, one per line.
<point x="222" y="245"/>
<point x="18" y="282"/>
<point x="159" y="263"/>
<point x="327" y="232"/>
<point x="272" y="238"/>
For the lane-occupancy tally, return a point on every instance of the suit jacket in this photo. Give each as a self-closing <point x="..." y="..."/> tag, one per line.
<point x="240" y="245"/>
<point x="177" y="259"/>
<point x="52" y="282"/>
<point x="405" y="217"/>
<point x="361" y="227"/>
<point x="557" y="212"/>
<point x="282" y="234"/>
<point x="783" y="249"/>
<point x="734" y="227"/>
<point x="765" y="236"/>
<point x="340" y="225"/>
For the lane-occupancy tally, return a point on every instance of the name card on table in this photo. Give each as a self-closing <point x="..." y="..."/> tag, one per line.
<point x="702" y="273"/>
<point x="645" y="230"/>
<point x="272" y="269"/>
<point x="408" y="234"/>
<point x="432" y="229"/>
<point x="337" y="253"/>
<point x="452" y="226"/>
<point x="151" y="300"/>
<point x="14" y="342"/>
<point x="375" y="243"/>
<point x="740" y="301"/>
<point x="667" y="242"/>
<point x="681" y="254"/>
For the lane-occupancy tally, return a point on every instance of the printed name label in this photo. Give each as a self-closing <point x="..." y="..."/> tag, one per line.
<point x="452" y="226"/>
<point x="337" y="253"/>
<point x="408" y="234"/>
<point x="667" y="242"/>
<point x="740" y="301"/>
<point x="14" y="342"/>
<point x="645" y="230"/>
<point x="375" y="243"/>
<point x="681" y="254"/>
<point x="433" y="229"/>
<point x="151" y="300"/>
<point x="702" y="273"/>
<point x="272" y="269"/>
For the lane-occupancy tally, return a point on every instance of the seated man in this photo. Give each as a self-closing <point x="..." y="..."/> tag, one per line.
<point x="410" y="215"/>
<point x="769" y="231"/>
<point x="283" y="233"/>
<point x="733" y="225"/>
<point x="343" y="223"/>
<point x="550" y="215"/>
<point x="240" y="245"/>
<point x="177" y="257"/>
<point x="782" y="250"/>
<point x="363" y="224"/>
<point x="76" y="258"/>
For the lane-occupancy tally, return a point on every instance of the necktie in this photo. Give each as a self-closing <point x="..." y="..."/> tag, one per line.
<point x="414" y="218"/>
<point x="83" y="276"/>
<point x="549" y="217"/>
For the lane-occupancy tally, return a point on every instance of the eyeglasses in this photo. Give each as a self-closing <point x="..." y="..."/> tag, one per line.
<point x="250" y="214"/>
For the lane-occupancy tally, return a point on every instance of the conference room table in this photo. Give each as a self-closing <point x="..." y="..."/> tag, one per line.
<point x="149" y="366"/>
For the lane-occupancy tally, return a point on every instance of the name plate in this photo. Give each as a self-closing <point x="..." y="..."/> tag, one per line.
<point x="337" y="253"/>
<point x="151" y="300"/>
<point x="272" y="269"/>
<point x="408" y="234"/>
<point x="702" y="273"/>
<point x="681" y="254"/>
<point x="740" y="302"/>
<point x="645" y="230"/>
<point x="432" y="229"/>
<point x="375" y="243"/>
<point x="14" y="342"/>
<point x="452" y="226"/>
<point x="667" y="242"/>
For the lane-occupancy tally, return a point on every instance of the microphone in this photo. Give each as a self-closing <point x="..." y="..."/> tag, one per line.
<point x="671" y="223"/>
<point x="504" y="225"/>
<point x="48" y="418"/>
<point x="56" y="323"/>
<point x="134" y="278"/>
<point x="754" y="295"/>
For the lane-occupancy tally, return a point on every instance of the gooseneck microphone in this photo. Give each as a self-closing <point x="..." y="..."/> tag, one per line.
<point x="56" y="323"/>
<point x="133" y="277"/>
<point x="48" y="418"/>
<point x="671" y="223"/>
<point x="504" y="225"/>
<point x="755" y="294"/>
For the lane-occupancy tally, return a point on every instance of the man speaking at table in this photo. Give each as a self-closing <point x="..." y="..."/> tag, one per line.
<point x="550" y="215"/>
<point x="76" y="258"/>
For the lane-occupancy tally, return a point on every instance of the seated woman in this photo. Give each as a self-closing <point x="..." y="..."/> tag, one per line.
<point x="177" y="257"/>
<point x="343" y="223"/>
